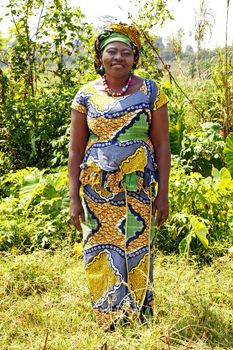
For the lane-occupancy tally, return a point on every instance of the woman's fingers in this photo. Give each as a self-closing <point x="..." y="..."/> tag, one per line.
<point x="77" y="215"/>
<point x="75" y="220"/>
<point x="161" y="217"/>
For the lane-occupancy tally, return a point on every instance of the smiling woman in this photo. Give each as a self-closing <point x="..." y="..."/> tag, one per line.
<point x="119" y="149"/>
<point x="117" y="60"/>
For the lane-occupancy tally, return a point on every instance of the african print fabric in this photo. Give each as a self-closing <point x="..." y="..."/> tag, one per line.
<point x="118" y="175"/>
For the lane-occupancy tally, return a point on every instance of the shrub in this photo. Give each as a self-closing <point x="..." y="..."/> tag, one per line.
<point x="201" y="213"/>
<point x="203" y="149"/>
<point x="34" y="210"/>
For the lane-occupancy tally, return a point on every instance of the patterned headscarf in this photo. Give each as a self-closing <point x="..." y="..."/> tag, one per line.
<point x="122" y="32"/>
<point x="108" y="37"/>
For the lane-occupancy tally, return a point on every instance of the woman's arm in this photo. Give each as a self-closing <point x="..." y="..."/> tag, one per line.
<point x="159" y="136"/>
<point x="78" y="141"/>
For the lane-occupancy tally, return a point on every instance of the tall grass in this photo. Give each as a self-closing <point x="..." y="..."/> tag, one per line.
<point x="45" y="306"/>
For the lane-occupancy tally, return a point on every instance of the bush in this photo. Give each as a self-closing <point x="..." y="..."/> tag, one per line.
<point x="203" y="149"/>
<point x="35" y="204"/>
<point x="201" y="213"/>
<point x="34" y="210"/>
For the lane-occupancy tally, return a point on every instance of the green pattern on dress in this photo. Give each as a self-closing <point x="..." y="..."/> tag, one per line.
<point x="131" y="181"/>
<point x="136" y="131"/>
<point x="133" y="225"/>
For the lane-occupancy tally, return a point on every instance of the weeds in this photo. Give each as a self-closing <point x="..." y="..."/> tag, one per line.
<point x="45" y="306"/>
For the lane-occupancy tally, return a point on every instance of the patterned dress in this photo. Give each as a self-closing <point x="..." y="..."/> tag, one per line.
<point x="118" y="175"/>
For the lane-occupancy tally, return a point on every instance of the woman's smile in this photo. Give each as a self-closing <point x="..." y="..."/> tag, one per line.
<point x="117" y="64"/>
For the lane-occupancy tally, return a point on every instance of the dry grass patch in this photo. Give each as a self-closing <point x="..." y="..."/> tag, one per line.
<point x="45" y="306"/>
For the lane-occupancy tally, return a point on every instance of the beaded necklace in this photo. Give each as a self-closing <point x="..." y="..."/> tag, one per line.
<point x="110" y="92"/>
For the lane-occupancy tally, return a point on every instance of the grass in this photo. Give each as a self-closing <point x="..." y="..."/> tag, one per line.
<point x="45" y="306"/>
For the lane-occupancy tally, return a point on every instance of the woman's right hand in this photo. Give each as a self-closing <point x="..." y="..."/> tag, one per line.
<point x="77" y="213"/>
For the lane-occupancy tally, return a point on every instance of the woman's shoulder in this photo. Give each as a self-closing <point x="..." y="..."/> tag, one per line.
<point x="151" y="82"/>
<point x="158" y="96"/>
<point x="155" y="93"/>
<point x="147" y="85"/>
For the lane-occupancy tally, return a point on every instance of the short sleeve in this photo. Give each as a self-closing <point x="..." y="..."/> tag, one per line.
<point x="79" y="102"/>
<point x="160" y="100"/>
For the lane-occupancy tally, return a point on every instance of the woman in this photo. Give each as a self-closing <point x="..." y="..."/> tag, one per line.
<point x="119" y="123"/>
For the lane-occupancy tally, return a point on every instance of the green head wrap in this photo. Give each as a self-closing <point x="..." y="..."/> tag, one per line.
<point x="108" y="37"/>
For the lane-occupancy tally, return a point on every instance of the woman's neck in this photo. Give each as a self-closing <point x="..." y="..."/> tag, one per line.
<point x="116" y="83"/>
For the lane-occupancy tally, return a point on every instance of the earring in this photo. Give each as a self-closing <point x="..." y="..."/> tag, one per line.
<point x="134" y="66"/>
<point x="101" y="70"/>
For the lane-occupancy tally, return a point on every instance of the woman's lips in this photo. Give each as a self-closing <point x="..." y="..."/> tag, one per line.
<point x="117" y="64"/>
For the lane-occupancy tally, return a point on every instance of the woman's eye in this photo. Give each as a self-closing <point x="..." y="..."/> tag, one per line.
<point x="126" y="54"/>
<point x="111" y="52"/>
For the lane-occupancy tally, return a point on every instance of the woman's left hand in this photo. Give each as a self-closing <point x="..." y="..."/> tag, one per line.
<point x="160" y="209"/>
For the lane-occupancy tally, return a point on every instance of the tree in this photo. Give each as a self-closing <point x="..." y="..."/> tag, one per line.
<point x="150" y="14"/>
<point x="228" y="91"/>
<point x="204" y="21"/>
<point x="38" y="79"/>
<point x="176" y="43"/>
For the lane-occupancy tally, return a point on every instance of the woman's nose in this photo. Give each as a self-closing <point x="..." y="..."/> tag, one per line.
<point x="118" y="55"/>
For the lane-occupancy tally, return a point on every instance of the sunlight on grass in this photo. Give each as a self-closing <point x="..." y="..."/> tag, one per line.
<point x="45" y="306"/>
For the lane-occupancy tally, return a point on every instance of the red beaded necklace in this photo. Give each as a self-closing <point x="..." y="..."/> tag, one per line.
<point x="110" y="92"/>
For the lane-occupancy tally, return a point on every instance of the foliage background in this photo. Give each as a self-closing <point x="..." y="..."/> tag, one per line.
<point x="40" y="74"/>
<point x="44" y="297"/>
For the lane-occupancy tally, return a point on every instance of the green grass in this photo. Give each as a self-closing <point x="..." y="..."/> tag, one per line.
<point x="45" y="306"/>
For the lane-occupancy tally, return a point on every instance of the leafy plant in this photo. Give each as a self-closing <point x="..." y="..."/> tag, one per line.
<point x="203" y="149"/>
<point x="176" y="136"/>
<point x="228" y="153"/>
<point x="223" y="81"/>
<point x="35" y="211"/>
<point x="40" y="77"/>
<point x="200" y="213"/>
<point x="197" y="229"/>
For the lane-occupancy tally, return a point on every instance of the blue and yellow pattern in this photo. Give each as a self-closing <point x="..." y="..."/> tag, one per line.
<point x="118" y="175"/>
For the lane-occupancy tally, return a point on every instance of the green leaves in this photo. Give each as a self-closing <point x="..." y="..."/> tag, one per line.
<point x="203" y="149"/>
<point x="200" y="213"/>
<point x="35" y="212"/>
<point x="200" y="230"/>
<point x="228" y="153"/>
<point x="40" y="77"/>
<point x="176" y="133"/>
<point x="197" y="230"/>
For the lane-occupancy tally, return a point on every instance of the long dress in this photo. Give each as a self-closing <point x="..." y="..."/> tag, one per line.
<point x="118" y="175"/>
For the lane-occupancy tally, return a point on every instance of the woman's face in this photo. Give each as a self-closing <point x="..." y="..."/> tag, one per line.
<point x="117" y="59"/>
